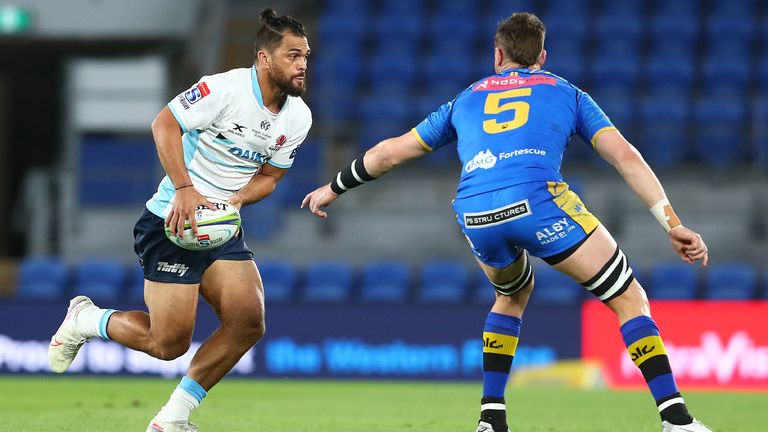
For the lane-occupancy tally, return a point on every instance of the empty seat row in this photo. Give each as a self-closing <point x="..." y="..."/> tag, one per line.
<point x="391" y="282"/>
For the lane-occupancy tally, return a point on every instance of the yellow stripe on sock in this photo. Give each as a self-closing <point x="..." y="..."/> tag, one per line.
<point x="498" y="343"/>
<point x="645" y="348"/>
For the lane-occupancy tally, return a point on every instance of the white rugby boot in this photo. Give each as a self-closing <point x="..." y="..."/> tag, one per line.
<point x="694" y="426"/>
<point x="174" y="426"/>
<point x="485" y="427"/>
<point x="69" y="338"/>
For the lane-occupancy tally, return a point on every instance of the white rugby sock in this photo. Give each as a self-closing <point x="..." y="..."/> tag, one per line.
<point x="92" y="321"/>
<point x="179" y="406"/>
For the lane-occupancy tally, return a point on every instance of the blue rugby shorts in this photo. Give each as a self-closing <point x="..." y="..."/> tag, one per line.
<point x="163" y="261"/>
<point x="546" y="218"/>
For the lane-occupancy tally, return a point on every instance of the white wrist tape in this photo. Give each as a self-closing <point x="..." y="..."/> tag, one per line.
<point x="663" y="213"/>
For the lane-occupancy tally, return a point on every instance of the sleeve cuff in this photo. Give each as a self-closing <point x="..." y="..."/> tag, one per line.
<point x="275" y="164"/>
<point x="599" y="131"/>
<point x="420" y="140"/>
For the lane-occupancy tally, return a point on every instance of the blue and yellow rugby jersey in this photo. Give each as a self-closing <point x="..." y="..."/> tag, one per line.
<point x="512" y="128"/>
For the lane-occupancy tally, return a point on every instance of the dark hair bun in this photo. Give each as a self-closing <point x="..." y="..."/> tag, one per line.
<point x="268" y="16"/>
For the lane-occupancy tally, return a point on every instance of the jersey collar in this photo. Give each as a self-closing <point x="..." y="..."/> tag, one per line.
<point x="256" y="88"/>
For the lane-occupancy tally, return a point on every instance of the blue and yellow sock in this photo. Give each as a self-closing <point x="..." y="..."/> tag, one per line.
<point x="645" y="347"/>
<point x="499" y="344"/>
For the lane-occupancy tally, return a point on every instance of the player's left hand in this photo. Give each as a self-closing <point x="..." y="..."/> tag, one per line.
<point x="319" y="198"/>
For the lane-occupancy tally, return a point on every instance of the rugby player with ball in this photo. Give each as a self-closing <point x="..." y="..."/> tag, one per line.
<point x="224" y="143"/>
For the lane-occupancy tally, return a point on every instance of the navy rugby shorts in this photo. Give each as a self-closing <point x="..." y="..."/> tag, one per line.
<point x="546" y="218"/>
<point x="163" y="261"/>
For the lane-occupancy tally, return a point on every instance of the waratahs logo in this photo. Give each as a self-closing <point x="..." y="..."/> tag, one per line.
<point x="484" y="159"/>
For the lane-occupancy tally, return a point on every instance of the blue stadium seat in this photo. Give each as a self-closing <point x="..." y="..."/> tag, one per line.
<point x="385" y="282"/>
<point x="760" y="129"/>
<point x="624" y="26"/>
<point x="743" y="10"/>
<point x="453" y="26"/>
<point x="720" y="125"/>
<point x="617" y="64"/>
<point x="443" y="282"/>
<point x="619" y="103"/>
<point x="352" y="9"/>
<point x="389" y="103"/>
<point x="444" y="69"/>
<point x="673" y="281"/>
<point x="386" y="68"/>
<point x="563" y="28"/>
<point x="42" y="278"/>
<point x="731" y="281"/>
<point x="552" y="287"/>
<point x="116" y="171"/>
<point x="668" y="26"/>
<point x="574" y="9"/>
<point x="677" y="72"/>
<point x="455" y="8"/>
<point x="497" y="10"/>
<point x="762" y="72"/>
<point x="663" y="139"/>
<point x="725" y="71"/>
<point x="565" y="58"/>
<point x="402" y="8"/>
<point x="388" y="26"/>
<point x="737" y="28"/>
<point x="100" y="279"/>
<point x="328" y="282"/>
<point x="678" y="9"/>
<point x="335" y="27"/>
<point x="279" y="279"/>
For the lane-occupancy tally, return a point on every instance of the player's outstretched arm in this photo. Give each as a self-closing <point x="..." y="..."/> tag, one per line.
<point x="379" y="160"/>
<point x="167" y="134"/>
<point x="617" y="151"/>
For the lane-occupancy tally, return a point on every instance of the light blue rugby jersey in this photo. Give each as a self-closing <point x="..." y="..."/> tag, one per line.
<point x="512" y="128"/>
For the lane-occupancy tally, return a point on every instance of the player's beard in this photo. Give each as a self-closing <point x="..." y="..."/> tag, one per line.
<point x="286" y="85"/>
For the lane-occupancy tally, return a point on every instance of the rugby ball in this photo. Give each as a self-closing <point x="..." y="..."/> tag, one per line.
<point x="214" y="227"/>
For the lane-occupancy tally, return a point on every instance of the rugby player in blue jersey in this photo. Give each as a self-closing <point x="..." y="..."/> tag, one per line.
<point x="511" y="131"/>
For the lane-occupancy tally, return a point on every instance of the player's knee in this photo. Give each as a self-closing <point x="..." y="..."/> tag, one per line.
<point x="172" y="347"/>
<point x="252" y="329"/>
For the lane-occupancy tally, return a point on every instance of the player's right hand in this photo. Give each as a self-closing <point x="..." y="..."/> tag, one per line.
<point x="689" y="245"/>
<point x="319" y="198"/>
<point x="185" y="203"/>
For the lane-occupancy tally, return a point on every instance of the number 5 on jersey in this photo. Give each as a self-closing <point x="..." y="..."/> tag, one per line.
<point x="493" y="106"/>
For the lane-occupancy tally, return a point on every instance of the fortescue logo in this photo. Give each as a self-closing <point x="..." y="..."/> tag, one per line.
<point x="180" y="269"/>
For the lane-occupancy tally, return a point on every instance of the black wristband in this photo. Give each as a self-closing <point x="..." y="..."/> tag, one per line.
<point x="185" y="186"/>
<point x="352" y="176"/>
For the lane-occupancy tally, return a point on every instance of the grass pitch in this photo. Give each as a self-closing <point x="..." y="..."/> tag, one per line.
<point x="44" y="404"/>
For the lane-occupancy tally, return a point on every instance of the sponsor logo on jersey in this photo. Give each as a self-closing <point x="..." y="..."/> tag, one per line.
<point x="183" y="101"/>
<point x="497" y="216"/>
<point x="251" y="155"/>
<point x="484" y="159"/>
<point x="520" y="152"/>
<point x="237" y="129"/>
<point x="176" y="268"/>
<point x="197" y="92"/>
<point x="511" y="82"/>
<point x="293" y="153"/>
<point x="555" y="232"/>
<point x="265" y="125"/>
<point x="278" y="143"/>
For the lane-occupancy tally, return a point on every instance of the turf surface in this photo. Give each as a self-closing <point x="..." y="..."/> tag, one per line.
<point x="66" y="403"/>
